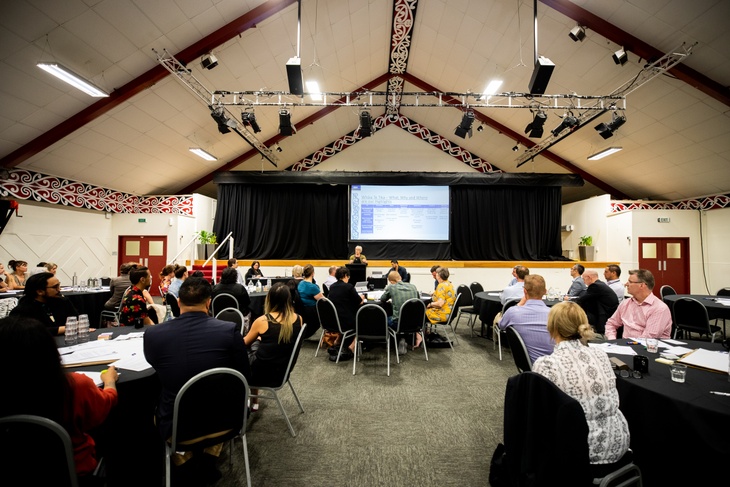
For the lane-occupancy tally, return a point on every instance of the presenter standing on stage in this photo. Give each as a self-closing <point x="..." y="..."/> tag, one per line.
<point x="358" y="257"/>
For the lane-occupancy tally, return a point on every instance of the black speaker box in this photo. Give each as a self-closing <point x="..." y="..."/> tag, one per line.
<point x="541" y="75"/>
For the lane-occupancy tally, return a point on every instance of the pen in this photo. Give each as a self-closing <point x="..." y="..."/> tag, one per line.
<point x="720" y="393"/>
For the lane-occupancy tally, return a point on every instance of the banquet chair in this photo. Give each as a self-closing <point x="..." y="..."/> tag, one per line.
<point x="408" y="277"/>
<point x="233" y="315"/>
<point x="223" y="301"/>
<point x="371" y="324"/>
<point x="475" y="288"/>
<point x="329" y="321"/>
<point x="724" y="292"/>
<point x="496" y="332"/>
<point x="691" y="316"/>
<point x="285" y="380"/>
<point x="210" y="408"/>
<point x="113" y="316"/>
<point x="466" y="306"/>
<point x="412" y="319"/>
<point x="23" y="434"/>
<point x="171" y="300"/>
<point x="448" y="322"/>
<point x="519" y="350"/>
<point x="666" y="290"/>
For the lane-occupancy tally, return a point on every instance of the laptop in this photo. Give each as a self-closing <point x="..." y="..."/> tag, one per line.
<point x="361" y="287"/>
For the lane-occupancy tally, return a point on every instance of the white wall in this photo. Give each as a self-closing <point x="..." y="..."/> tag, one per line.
<point x="588" y="217"/>
<point x="716" y="236"/>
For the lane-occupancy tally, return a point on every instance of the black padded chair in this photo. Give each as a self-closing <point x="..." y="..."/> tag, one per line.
<point x="211" y="402"/>
<point x="496" y="332"/>
<point x="171" y="300"/>
<point x="113" y="316"/>
<point x="448" y="322"/>
<point x="690" y="317"/>
<point x="408" y="277"/>
<point x="233" y="315"/>
<point x="329" y="321"/>
<point x="223" y="301"/>
<point x="412" y="319"/>
<point x="724" y="292"/>
<point x="23" y="434"/>
<point x="371" y="324"/>
<point x="466" y="306"/>
<point x="285" y="380"/>
<point x="325" y="290"/>
<point x="666" y="290"/>
<point x="519" y="350"/>
<point x="475" y="288"/>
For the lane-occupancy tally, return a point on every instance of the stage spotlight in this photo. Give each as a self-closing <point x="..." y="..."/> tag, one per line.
<point x="577" y="33"/>
<point x="534" y="129"/>
<point x="366" y="124"/>
<point x="464" y="127"/>
<point x="225" y="124"/>
<point x="620" y="57"/>
<point x="606" y="130"/>
<point x="285" y="125"/>
<point x="480" y="128"/>
<point x="569" y="122"/>
<point x="516" y="148"/>
<point x="248" y="117"/>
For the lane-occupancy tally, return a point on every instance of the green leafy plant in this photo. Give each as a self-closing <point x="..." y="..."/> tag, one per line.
<point x="206" y="237"/>
<point x="586" y="240"/>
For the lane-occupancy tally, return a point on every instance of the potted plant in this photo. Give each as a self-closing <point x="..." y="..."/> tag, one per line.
<point x="206" y="243"/>
<point x="586" y="250"/>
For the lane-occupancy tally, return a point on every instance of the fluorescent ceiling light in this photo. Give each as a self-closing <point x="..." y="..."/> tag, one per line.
<point x="65" y="74"/>
<point x="492" y="87"/>
<point x="604" y="153"/>
<point x="313" y="90"/>
<point x="202" y="153"/>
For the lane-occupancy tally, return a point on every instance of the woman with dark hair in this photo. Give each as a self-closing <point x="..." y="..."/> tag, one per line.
<point x="272" y="337"/>
<point x="29" y="354"/>
<point x="16" y="280"/>
<point x="228" y="285"/>
<point x="309" y="294"/>
<point x="254" y="270"/>
<point x="167" y="274"/>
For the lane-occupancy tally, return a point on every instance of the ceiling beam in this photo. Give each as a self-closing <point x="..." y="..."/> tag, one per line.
<point x="278" y="137"/>
<point x="144" y="81"/>
<point x="640" y="48"/>
<point x="503" y="129"/>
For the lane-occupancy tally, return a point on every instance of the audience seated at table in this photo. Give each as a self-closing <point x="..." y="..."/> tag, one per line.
<point x="643" y="315"/>
<point x="530" y="318"/>
<point x="612" y="273"/>
<point x="434" y="269"/>
<point x="181" y="273"/>
<point x="42" y="300"/>
<point x="599" y="301"/>
<point x="398" y="292"/>
<point x="443" y="298"/>
<point x="271" y="339"/>
<point x="229" y="285"/>
<point x="347" y="301"/>
<point x="43" y="267"/>
<point x="254" y="271"/>
<point x="182" y="348"/>
<point x="36" y="384"/>
<point x="17" y="278"/>
<point x="118" y="285"/>
<point x="331" y="279"/>
<point x="395" y="266"/>
<point x="297" y="272"/>
<point x="167" y="274"/>
<point x="134" y="310"/>
<point x="309" y="293"/>
<point x="513" y="281"/>
<point x="585" y="374"/>
<point x="516" y="290"/>
<point x="578" y="286"/>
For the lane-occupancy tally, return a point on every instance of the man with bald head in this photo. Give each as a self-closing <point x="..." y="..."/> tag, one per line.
<point x="599" y="301"/>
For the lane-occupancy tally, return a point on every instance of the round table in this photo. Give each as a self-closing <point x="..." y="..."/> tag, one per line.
<point x="488" y="304"/>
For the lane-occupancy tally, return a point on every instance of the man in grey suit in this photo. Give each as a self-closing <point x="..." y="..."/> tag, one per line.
<point x="577" y="287"/>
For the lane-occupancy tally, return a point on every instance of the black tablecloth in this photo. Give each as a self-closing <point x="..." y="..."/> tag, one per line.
<point x="86" y="302"/>
<point x="487" y="306"/>
<point x="679" y="432"/>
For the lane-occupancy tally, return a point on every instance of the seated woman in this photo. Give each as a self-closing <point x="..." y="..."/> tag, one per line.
<point x="167" y="274"/>
<point x="271" y="339"/>
<point x="347" y="302"/>
<point x="254" y="271"/>
<point x="585" y="374"/>
<point x="309" y="294"/>
<point x="228" y="285"/>
<point x="71" y="400"/>
<point x="16" y="280"/>
<point x="297" y="272"/>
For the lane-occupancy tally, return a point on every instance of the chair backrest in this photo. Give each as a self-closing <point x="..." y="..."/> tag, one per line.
<point x="22" y="434"/>
<point x="233" y="315"/>
<point x="466" y="298"/>
<point x="212" y="401"/>
<point x="454" y="309"/>
<point x="408" y="277"/>
<point x="171" y="300"/>
<point x="223" y="301"/>
<point x="690" y="314"/>
<point x="371" y="321"/>
<point x="666" y="290"/>
<point x="519" y="350"/>
<point x="475" y="288"/>
<point x="327" y="313"/>
<point x="724" y="292"/>
<point x="325" y="290"/>
<point x="412" y="316"/>
<point x="509" y="304"/>
<point x="292" y="359"/>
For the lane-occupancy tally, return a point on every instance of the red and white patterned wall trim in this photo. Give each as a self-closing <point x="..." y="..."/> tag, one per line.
<point x="29" y="185"/>
<point x="714" y="202"/>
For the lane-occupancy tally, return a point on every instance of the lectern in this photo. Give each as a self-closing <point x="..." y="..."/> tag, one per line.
<point x="357" y="272"/>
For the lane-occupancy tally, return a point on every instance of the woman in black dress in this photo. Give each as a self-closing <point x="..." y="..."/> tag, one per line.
<point x="254" y="271"/>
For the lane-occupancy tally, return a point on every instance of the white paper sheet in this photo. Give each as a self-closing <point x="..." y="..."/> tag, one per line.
<point x="707" y="359"/>
<point x="613" y="348"/>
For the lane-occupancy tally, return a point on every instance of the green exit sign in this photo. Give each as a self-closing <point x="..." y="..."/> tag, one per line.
<point x="142" y="220"/>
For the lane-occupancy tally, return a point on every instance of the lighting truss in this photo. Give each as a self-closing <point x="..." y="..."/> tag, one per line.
<point x="213" y="101"/>
<point x="588" y="114"/>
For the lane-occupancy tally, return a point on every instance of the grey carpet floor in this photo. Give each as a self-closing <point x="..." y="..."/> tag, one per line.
<point x="432" y="423"/>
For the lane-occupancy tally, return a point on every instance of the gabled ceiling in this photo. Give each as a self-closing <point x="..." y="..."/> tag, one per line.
<point x="676" y="139"/>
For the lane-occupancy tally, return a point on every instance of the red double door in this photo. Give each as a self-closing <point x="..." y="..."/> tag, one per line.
<point x="668" y="260"/>
<point x="150" y="251"/>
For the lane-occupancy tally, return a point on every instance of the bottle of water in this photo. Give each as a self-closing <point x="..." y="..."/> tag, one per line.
<point x="168" y="313"/>
<point x="72" y="330"/>
<point x="75" y="282"/>
<point x="268" y="284"/>
<point x="258" y="285"/>
<point x="83" y="334"/>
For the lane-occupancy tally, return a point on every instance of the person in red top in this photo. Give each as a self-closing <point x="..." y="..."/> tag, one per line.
<point x="35" y="383"/>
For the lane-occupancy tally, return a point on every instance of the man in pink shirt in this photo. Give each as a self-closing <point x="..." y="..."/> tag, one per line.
<point x="642" y="316"/>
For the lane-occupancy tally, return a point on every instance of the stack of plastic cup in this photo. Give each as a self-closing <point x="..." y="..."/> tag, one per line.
<point x="72" y="330"/>
<point x="83" y="336"/>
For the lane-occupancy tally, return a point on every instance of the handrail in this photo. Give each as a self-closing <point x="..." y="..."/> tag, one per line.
<point x="230" y="248"/>
<point x="183" y="250"/>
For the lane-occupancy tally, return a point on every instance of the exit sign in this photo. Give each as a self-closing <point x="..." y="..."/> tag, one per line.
<point x="663" y="220"/>
<point x="142" y="220"/>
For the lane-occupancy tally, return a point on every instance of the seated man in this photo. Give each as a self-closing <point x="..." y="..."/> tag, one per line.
<point x="118" y="285"/>
<point x="399" y="269"/>
<point x="181" y="273"/>
<point x="398" y="292"/>
<point x="42" y="300"/>
<point x="530" y="318"/>
<point x="612" y="273"/>
<point x="192" y="343"/>
<point x="599" y="301"/>
<point x="331" y="278"/>
<point x="577" y="287"/>
<point x="515" y="291"/>
<point x="134" y="306"/>
<point x="643" y="315"/>
<point x="347" y="301"/>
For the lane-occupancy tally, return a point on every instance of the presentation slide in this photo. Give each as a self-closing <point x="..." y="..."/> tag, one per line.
<point x="399" y="213"/>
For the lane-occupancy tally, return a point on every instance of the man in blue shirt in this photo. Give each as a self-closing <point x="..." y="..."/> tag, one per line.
<point x="530" y="318"/>
<point x="516" y="290"/>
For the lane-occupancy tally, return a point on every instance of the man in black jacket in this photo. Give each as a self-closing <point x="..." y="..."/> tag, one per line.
<point x="599" y="301"/>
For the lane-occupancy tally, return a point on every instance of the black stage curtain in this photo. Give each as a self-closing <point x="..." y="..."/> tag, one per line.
<point x="283" y="221"/>
<point x="505" y="223"/>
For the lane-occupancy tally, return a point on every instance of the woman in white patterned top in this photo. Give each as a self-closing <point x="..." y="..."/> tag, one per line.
<point x="585" y="374"/>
